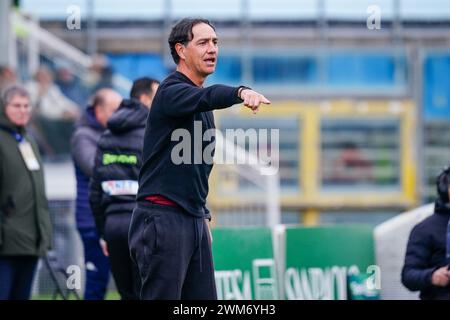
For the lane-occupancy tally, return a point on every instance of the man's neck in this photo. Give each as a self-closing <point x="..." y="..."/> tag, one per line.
<point x="196" y="79"/>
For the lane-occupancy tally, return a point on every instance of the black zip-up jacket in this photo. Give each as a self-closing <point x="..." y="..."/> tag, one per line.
<point x="114" y="182"/>
<point x="178" y="103"/>
<point x="425" y="254"/>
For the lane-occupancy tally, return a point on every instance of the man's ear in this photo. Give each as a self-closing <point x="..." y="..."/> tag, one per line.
<point x="180" y="50"/>
<point x="145" y="100"/>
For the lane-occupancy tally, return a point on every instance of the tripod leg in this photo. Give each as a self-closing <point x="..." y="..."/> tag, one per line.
<point x="55" y="279"/>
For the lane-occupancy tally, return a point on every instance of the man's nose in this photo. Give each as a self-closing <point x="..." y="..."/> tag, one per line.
<point x="212" y="48"/>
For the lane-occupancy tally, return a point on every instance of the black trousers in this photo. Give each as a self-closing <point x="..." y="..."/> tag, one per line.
<point x="172" y="250"/>
<point x="124" y="271"/>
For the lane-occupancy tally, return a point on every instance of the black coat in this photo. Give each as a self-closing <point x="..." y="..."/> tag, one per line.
<point x="113" y="185"/>
<point x="426" y="253"/>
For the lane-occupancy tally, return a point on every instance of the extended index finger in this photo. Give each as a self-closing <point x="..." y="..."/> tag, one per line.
<point x="265" y="100"/>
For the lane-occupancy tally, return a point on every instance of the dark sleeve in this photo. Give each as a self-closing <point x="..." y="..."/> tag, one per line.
<point x="84" y="146"/>
<point x="1" y="213"/>
<point x="416" y="273"/>
<point x="182" y="99"/>
<point x="96" y="194"/>
<point x="1" y="228"/>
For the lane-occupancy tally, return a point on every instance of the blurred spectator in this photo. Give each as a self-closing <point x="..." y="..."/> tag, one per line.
<point x="7" y="77"/>
<point x="48" y="101"/>
<point x="70" y="85"/>
<point x="351" y="166"/>
<point x="114" y="183"/>
<point x="54" y="114"/>
<point x="100" y="74"/>
<point x="426" y="264"/>
<point x="25" y="229"/>
<point x="84" y="147"/>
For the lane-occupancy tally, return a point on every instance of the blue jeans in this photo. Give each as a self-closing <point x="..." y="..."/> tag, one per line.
<point x="16" y="276"/>
<point x="96" y="263"/>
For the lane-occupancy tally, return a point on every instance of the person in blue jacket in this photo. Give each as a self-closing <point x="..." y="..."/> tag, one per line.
<point x="426" y="260"/>
<point x="84" y="147"/>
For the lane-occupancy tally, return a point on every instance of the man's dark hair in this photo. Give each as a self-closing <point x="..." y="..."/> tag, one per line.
<point x="142" y="86"/>
<point x="442" y="183"/>
<point x="182" y="33"/>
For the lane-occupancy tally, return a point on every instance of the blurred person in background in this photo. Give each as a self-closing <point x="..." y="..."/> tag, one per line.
<point x="25" y="228"/>
<point x="84" y="146"/>
<point x="48" y="100"/>
<point x="351" y="165"/>
<point x="7" y="77"/>
<point x="115" y="182"/>
<point x="70" y="85"/>
<point x="99" y="75"/>
<point x="54" y="114"/>
<point x="427" y="259"/>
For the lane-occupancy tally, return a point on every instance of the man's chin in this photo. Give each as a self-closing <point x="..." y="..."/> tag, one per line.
<point x="209" y="71"/>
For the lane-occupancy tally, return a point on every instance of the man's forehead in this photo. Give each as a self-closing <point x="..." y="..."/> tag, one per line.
<point x="19" y="98"/>
<point x="203" y="31"/>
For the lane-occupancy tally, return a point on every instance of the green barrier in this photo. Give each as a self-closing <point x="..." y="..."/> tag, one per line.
<point x="315" y="263"/>
<point x="320" y="262"/>
<point x="244" y="264"/>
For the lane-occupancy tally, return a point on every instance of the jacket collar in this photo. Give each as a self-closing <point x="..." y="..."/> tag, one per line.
<point x="88" y="119"/>
<point x="441" y="208"/>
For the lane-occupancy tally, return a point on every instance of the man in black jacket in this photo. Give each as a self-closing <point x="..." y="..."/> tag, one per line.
<point x="426" y="264"/>
<point x="114" y="183"/>
<point x="168" y="237"/>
